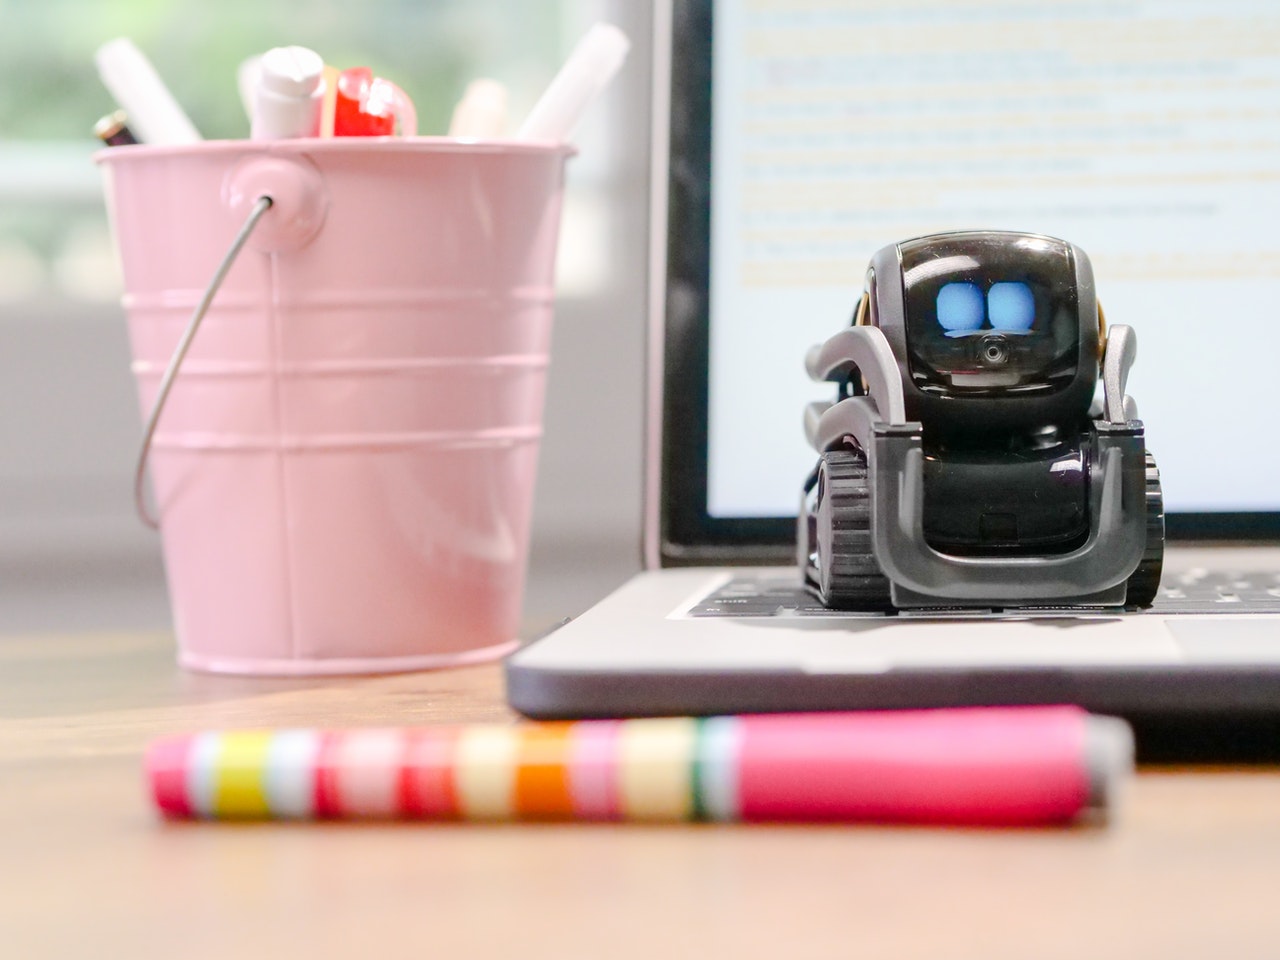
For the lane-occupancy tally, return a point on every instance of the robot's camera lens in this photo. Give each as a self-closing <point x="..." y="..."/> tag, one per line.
<point x="993" y="351"/>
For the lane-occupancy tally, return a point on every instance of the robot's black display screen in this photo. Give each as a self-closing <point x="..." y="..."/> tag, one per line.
<point x="990" y="314"/>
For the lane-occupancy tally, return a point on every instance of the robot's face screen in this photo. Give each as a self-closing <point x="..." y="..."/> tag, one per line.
<point x="990" y="312"/>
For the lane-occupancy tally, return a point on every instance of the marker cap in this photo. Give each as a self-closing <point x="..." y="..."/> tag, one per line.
<point x="291" y="71"/>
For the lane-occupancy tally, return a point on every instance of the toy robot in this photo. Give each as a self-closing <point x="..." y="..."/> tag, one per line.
<point x="965" y="462"/>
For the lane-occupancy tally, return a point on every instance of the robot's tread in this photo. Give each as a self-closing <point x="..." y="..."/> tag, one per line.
<point x="1144" y="583"/>
<point x="854" y="581"/>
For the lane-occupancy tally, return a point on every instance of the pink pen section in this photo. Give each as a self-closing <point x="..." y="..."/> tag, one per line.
<point x="592" y="775"/>
<point x="167" y="765"/>
<point x="983" y="766"/>
<point x="990" y="766"/>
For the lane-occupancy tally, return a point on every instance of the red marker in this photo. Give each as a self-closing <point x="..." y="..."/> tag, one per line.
<point x="369" y="106"/>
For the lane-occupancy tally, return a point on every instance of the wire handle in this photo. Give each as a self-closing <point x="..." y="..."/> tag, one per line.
<point x="261" y="206"/>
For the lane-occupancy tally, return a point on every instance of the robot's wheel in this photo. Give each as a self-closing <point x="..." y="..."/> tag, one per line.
<point x="1144" y="582"/>
<point x="841" y="567"/>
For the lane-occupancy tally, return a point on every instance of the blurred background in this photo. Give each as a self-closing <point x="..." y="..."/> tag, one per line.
<point x="73" y="556"/>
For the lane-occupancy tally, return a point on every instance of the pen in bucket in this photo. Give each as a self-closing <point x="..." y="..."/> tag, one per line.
<point x="589" y="69"/>
<point x="369" y="106"/>
<point x="287" y="94"/>
<point x="153" y="113"/>
<point x="247" y="82"/>
<point x="113" y="130"/>
<point x="481" y="114"/>
<point x="981" y="766"/>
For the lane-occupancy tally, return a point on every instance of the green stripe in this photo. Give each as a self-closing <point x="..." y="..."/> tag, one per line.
<point x="697" y="774"/>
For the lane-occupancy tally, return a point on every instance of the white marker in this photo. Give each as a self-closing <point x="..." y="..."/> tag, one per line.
<point x="289" y="96"/>
<point x="154" y="115"/>
<point x="585" y="74"/>
<point x="247" y="82"/>
<point x="481" y="114"/>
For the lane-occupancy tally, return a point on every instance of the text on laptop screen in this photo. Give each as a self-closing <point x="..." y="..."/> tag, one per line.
<point x="1145" y="132"/>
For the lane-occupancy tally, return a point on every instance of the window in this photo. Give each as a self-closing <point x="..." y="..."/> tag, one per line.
<point x="69" y="422"/>
<point x="53" y="238"/>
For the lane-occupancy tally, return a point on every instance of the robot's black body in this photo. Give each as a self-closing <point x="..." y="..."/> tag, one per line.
<point x="964" y="462"/>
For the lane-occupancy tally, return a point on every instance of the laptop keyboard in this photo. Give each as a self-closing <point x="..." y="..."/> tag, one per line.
<point x="1217" y="591"/>
<point x="1196" y="591"/>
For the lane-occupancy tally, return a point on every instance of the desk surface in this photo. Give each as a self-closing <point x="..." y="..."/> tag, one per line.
<point x="1189" y="870"/>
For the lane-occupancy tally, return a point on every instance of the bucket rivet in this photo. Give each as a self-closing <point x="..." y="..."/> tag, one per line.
<point x="299" y="200"/>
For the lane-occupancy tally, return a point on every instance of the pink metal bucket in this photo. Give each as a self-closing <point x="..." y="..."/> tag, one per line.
<point x="344" y="470"/>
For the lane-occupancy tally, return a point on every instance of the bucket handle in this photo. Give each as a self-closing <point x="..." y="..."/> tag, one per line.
<point x="260" y="207"/>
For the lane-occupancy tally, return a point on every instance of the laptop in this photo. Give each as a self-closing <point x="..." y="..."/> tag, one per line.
<point x="792" y="142"/>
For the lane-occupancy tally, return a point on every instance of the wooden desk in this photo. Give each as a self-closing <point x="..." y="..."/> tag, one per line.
<point x="1191" y="870"/>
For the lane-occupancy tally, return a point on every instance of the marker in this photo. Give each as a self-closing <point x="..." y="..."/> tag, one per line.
<point x="247" y="82"/>
<point x="331" y="75"/>
<point x="113" y="130"/>
<point x="481" y="114"/>
<point x="369" y="106"/>
<point x="288" y="95"/>
<point x="1001" y="766"/>
<point x="593" y="63"/>
<point x="131" y="79"/>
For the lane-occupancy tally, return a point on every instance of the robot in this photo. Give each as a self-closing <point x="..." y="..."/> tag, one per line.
<point x="969" y="460"/>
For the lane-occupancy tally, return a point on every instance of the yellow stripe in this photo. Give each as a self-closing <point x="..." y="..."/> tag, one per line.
<point x="486" y="773"/>
<point x="655" y="768"/>
<point x="239" y="787"/>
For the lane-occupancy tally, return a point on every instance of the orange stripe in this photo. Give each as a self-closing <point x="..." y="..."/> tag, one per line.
<point x="542" y="771"/>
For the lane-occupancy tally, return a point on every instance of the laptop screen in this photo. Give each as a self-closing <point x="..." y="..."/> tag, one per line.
<point x="806" y="136"/>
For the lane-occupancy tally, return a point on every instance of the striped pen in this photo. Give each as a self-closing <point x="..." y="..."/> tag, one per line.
<point x="982" y="766"/>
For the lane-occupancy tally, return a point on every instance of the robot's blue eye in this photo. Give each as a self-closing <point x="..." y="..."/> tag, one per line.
<point x="960" y="307"/>
<point x="1011" y="307"/>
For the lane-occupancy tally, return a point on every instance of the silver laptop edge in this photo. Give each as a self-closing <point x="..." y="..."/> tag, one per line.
<point x="660" y="140"/>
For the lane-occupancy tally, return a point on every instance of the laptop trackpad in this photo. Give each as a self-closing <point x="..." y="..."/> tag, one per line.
<point x="1233" y="641"/>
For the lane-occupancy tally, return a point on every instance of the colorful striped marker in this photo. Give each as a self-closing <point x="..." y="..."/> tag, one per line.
<point x="985" y="766"/>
